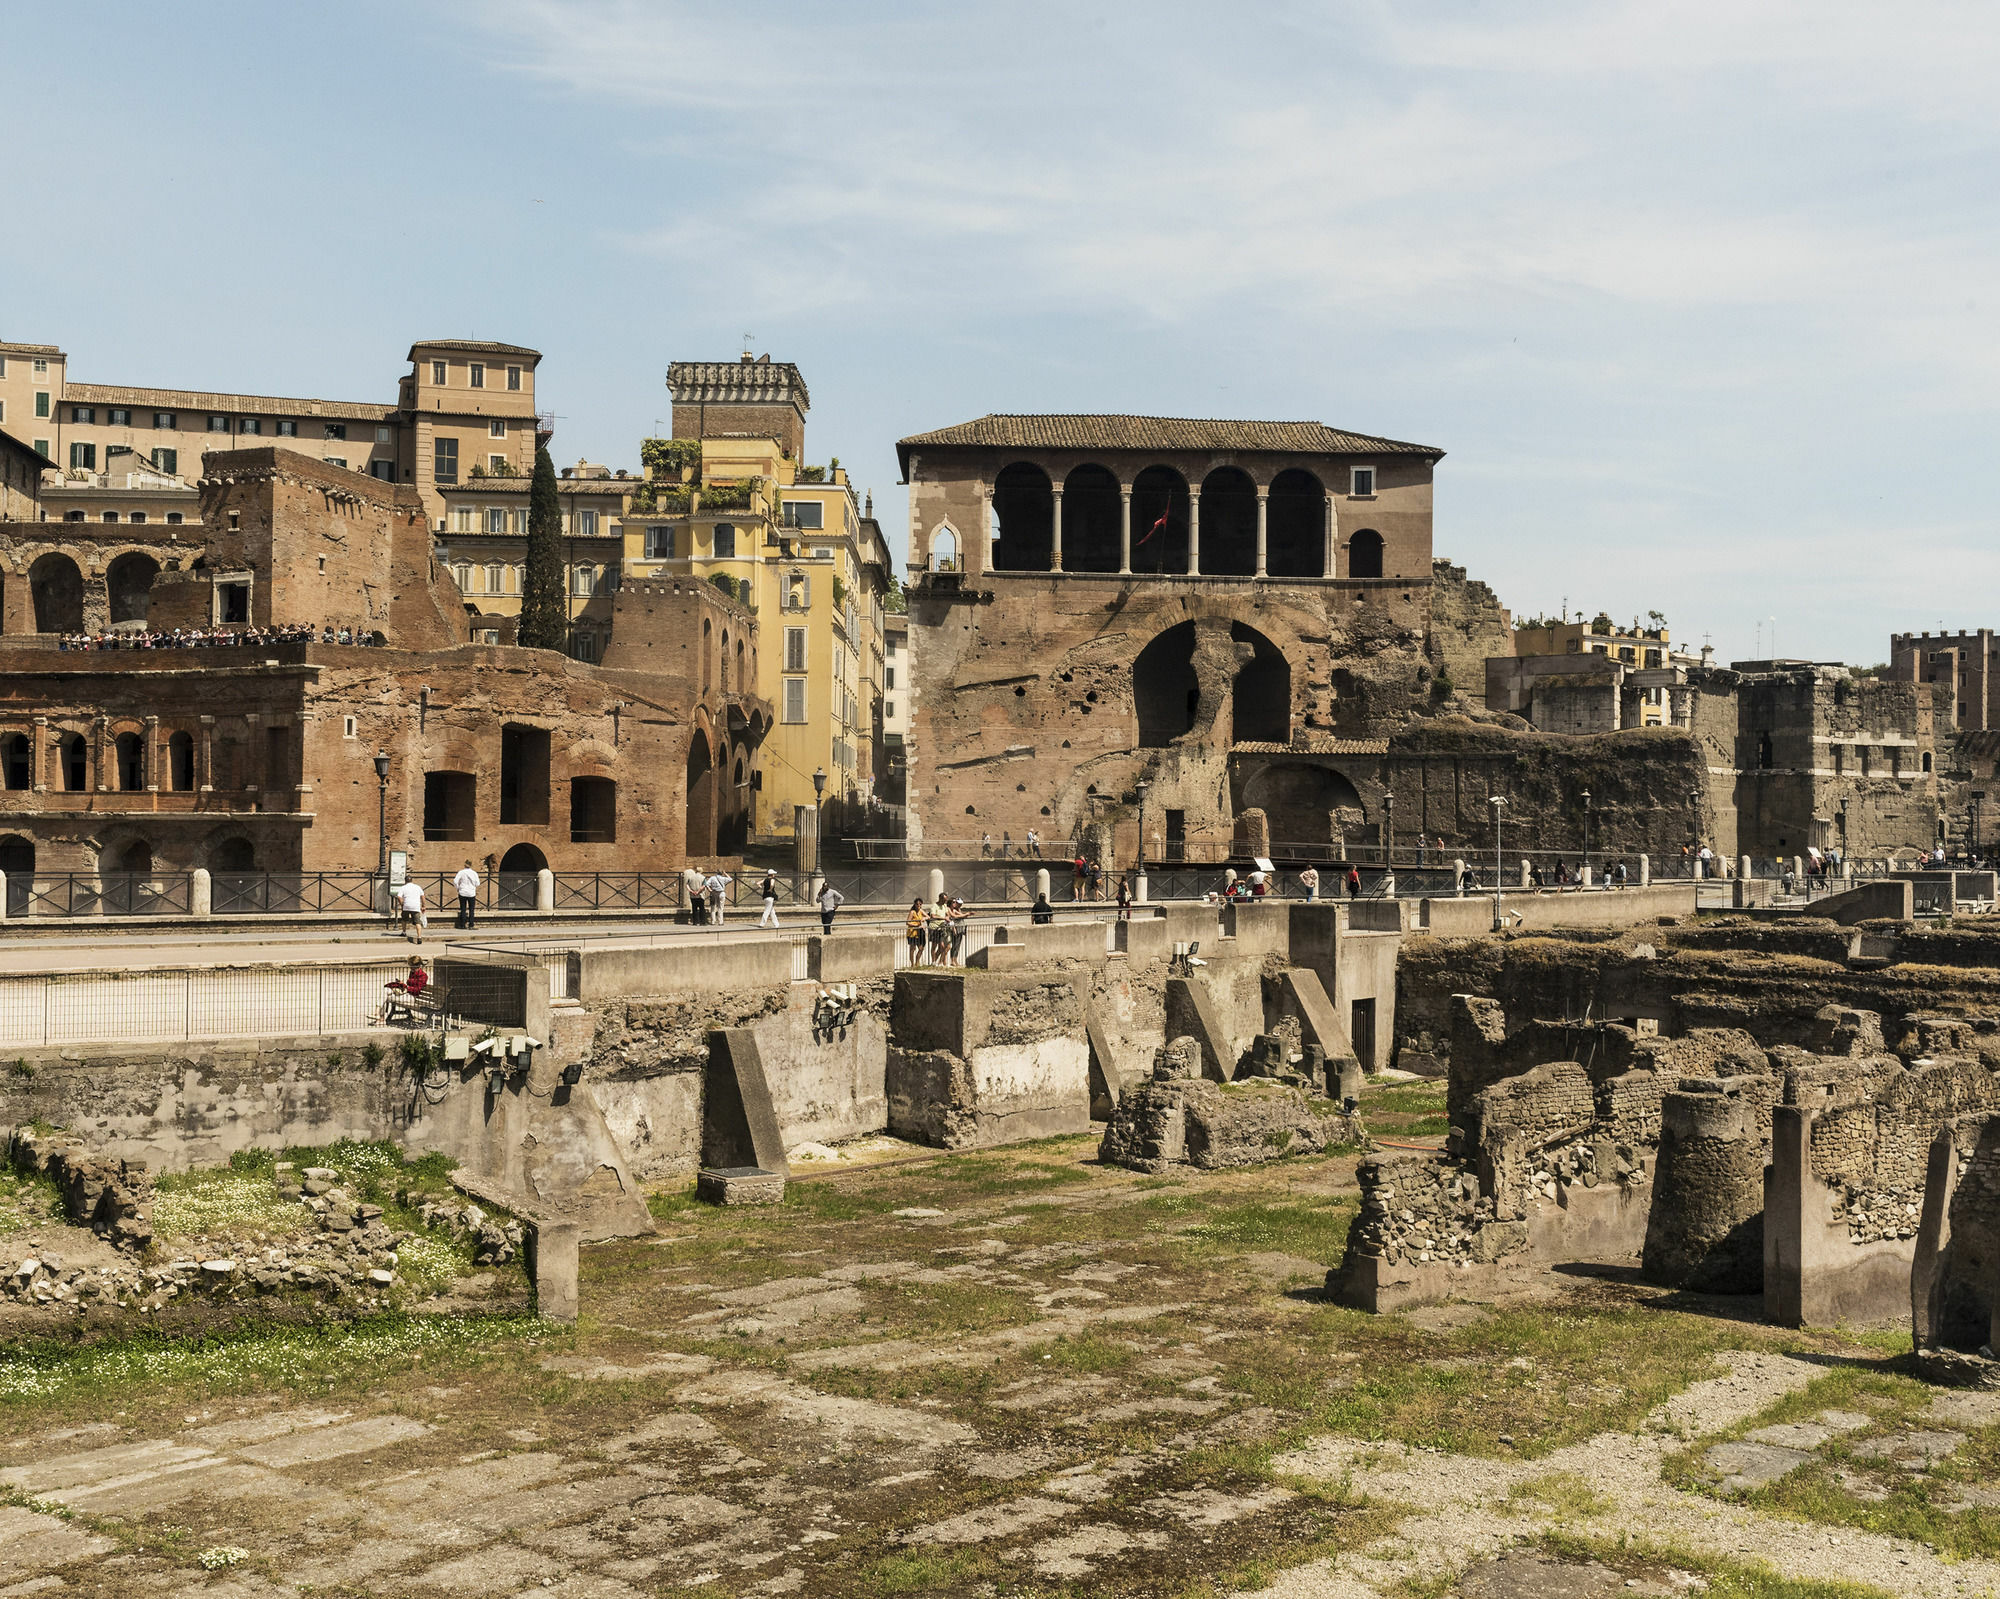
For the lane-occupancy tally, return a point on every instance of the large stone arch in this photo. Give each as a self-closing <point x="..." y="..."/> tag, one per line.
<point x="1024" y="514"/>
<point x="1159" y="491"/>
<point x="1092" y="511"/>
<point x="128" y="585"/>
<point x="1295" y="525"/>
<point x="1260" y="694"/>
<point x="1303" y="803"/>
<point x="1228" y="523"/>
<point x="701" y="782"/>
<point x="56" y="584"/>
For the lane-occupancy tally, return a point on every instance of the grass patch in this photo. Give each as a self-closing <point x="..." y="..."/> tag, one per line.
<point x="1564" y="1492"/>
<point x="1726" y="1579"/>
<point x="1087" y="1354"/>
<point x="1315" y="1229"/>
<point x="187" y="1204"/>
<point x="27" y="1201"/>
<point x="300" y="1360"/>
<point x="1901" y="1504"/>
<point x="927" y="1570"/>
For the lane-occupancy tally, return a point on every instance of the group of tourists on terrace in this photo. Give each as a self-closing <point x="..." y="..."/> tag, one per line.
<point x="202" y="638"/>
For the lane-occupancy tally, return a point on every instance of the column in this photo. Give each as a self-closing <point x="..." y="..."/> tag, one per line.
<point x="205" y="757"/>
<point x="1327" y="568"/>
<point x="1055" y="530"/>
<point x="1263" y="505"/>
<point x="152" y="758"/>
<point x="986" y="536"/>
<point x="40" y="752"/>
<point x="1125" y="530"/>
<point x="1194" y="528"/>
<point x="105" y="768"/>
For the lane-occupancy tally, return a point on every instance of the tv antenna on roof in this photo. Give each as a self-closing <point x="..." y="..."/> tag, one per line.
<point x="749" y="342"/>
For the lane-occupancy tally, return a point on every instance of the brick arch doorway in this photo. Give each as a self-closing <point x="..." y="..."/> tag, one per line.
<point x="1303" y="804"/>
<point x="700" y="840"/>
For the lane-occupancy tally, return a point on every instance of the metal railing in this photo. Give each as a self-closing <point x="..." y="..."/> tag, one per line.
<point x="291" y="893"/>
<point x="101" y="894"/>
<point x="176" y="1004"/>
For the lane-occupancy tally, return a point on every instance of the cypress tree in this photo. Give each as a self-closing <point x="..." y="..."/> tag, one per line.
<point x="544" y="614"/>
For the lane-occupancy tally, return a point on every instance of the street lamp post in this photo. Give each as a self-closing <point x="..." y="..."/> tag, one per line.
<point x="382" y="812"/>
<point x="1586" y="836"/>
<point x="1844" y="856"/>
<point x="1140" y="788"/>
<point x="1389" y="826"/>
<point x="1499" y="876"/>
<point x="1694" y="832"/>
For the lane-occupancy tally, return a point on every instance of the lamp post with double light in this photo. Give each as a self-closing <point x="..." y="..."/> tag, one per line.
<point x="382" y="812"/>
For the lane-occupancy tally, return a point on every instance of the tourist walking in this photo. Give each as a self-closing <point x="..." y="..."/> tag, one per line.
<point x="1125" y="896"/>
<point x="830" y="900"/>
<point x="410" y="898"/>
<point x="1353" y="882"/>
<point x="938" y="918"/>
<point x="1097" y="880"/>
<point x="467" y="884"/>
<point x="1309" y="881"/>
<point x="1034" y="844"/>
<point x="1079" y="874"/>
<point x="769" y="889"/>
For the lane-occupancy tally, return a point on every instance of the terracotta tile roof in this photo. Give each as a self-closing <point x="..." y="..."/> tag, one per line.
<point x="1327" y="746"/>
<point x="1016" y="432"/>
<point x="9" y="347"/>
<point x="471" y="347"/>
<point x="242" y="404"/>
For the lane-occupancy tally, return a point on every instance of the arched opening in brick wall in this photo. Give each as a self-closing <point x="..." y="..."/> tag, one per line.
<point x="1159" y="491"/>
<point x="17" y="866"/>
<point x="17" y="755"/>
<point x="726" y="679"/>
<point x="1364" y="554"/>
<point x="128" y="585"/>
<point x="593" y="810"/>
<point x="130" y="751"/>
<point x="234" y="856"/>
<point x="1260" y="699"/>
<point x="523" y="860"/>
<point x="57" y="589"/>
<point x="700" y="797"/>
<point x="944" y="550"/>
<point x="180" y="762"/>
<point x="73" y="756"/>
<point x="1228" y="523"/>
<point x="1304" y="804"/>
<point x="1024" y="511"/>
<point x="1093" y="510"/>
<point x="1295" y="525"/>
<point x="732" y="830"/>
<point x="1165" y="692"/>
<point x="136" y="856"/>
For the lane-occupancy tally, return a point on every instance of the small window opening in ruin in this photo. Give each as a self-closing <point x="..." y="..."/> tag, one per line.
<point x="450" y="803"/>
<point x="1091" y="697"/>
<point x="131" y="753"/>
<point x="1020" y="788"/>
<point x="347" y="727"/>
<point x="232" y="603"/>
<point x="1927" y="760"/>
<point x="128" y="582"/>
<point x="19" y="763"/>
<point x="75" y="762"/>
<point x="1764" y="752"/>
<point x="593" y="810"/>
<point x="1261" y="696"/>
<point x="1020" y="693"/>
<point x="1176" y="835"/>
<point x="180" y="762"/>
<point x="969" y="811"/>
<point x="524" y="776"/>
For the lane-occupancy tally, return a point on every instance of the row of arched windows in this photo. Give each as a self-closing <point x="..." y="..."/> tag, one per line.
<point x="56" y="589"/>
<point x="72" y="762"/>
<point x="1296" y="515"/>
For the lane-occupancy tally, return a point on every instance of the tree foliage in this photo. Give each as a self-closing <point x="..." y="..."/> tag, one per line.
<point x="544" y="622"/>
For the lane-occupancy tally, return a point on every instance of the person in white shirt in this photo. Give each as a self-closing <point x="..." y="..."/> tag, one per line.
<point x="697" y="895"/>
<point x="467" y="884"/>
<point x="718" y="887"/>
<point x="830" y="900"/>
<point x="411" y="898"/>
<point x="770" y="893"/>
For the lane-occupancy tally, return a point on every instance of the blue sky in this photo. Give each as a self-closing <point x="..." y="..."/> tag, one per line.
<point x="1700" y="298"/>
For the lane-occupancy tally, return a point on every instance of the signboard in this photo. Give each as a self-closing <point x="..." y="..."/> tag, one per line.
<point x="399" y="867"/>
<point x="1264" y="865"/>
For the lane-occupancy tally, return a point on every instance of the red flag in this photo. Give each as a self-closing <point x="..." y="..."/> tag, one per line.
<point x="1159" y="524"/>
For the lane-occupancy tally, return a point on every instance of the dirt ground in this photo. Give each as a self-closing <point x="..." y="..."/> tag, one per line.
<point x="1012" y="1372"/>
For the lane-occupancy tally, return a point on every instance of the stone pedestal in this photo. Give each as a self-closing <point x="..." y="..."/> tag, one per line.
<point x="740" y="1185"/>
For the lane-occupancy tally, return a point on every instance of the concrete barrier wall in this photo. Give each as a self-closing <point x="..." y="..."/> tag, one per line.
<point x="1814" y="1274"/>
<point x="695" y="967"/>
<point x="1143" y="938"/>
<point x="1890" y="899"/>
<point x="1624" y="907"/>
<point x="1258" y="926"/>
<point x="1071" y="940"/>
<point x="851" y="957"/>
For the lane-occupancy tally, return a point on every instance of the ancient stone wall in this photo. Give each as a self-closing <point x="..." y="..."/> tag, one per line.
<point x="1705" y="1230"/>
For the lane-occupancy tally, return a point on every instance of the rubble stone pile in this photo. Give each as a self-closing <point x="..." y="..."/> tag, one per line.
<point x="113" y="1198"/>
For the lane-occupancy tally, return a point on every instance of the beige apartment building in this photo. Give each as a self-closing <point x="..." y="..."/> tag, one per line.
<point x="465" y="410"/>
